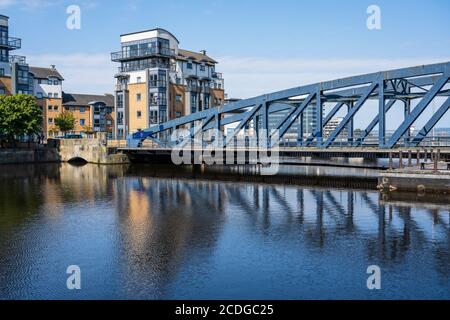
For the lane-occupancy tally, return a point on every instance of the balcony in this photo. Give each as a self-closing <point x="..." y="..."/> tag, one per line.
<point x="18" y="59"/>
<point x="141" y="53"/>
<point x="141" y="67"/>
<point x="217" y="75"/>
<point x="157" y="84"/>
<point x="11" y="43"/>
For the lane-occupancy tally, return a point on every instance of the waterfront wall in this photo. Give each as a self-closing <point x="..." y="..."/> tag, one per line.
<point x="40" y="155"/>
<point x="94" y="150"/>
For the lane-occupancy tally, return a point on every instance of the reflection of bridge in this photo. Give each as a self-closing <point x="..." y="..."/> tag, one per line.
<point x="419" y="85"/>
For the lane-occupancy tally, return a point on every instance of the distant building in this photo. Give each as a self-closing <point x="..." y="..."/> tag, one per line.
<point x="157" y="81"/>
<point x="332" y="125"/>
<point x="47" y="89"/>
<point x="93" y="113"/>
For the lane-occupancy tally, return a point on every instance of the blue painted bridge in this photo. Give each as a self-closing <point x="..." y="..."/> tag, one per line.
<point x="416" y="88"/>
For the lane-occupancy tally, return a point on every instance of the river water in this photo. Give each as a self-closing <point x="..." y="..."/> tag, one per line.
<point x="151" y="232"/>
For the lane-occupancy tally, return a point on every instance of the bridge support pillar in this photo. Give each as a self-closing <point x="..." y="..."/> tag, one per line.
<point x="350" y="125"/>
<point x="300" y="131"/>
<point x="319" y="118"/>
<point x="381" y="114"/>
<point x="407" y="112"/>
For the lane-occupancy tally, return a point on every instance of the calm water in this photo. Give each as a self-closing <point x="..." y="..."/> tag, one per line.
<point x="146" y="233"/>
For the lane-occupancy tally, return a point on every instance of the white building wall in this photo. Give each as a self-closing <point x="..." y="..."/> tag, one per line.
<point x="136" y="74"/>
<point x="45" y="88"/>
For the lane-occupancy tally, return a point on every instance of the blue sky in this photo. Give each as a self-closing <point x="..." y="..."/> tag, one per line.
<point x="261" y="46"/>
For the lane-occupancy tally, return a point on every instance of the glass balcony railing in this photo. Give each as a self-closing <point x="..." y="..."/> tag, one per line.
<point x="11" y="43"/>
<point x="139" y="53"/>
<point x="217" y="75"/>
<point x="157" y="84"/>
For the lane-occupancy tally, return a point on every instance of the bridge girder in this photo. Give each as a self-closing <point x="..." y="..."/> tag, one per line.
<point x="387" y="87"/>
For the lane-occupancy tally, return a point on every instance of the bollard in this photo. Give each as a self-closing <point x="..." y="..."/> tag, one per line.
<point x="390" y="161"/>
<point x="409" y="158"/>
<point x="435" y="161"/>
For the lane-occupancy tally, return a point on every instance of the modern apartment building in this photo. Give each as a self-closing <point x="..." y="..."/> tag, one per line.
<point x="14" y="75"/>
<point x="157" y="81"/>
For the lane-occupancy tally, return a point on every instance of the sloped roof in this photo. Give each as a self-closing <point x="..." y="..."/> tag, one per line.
<point x="74" y="99"/>
<point x="197" y="56"/>
<point x="45" y="73"/>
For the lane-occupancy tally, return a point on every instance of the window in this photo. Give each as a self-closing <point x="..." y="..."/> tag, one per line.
<point x="138" y="97"/>
<point x="2" y="72"/>
<point x="139" y="79"/>
<point x="39" y="81"/>
<point x="178" y="98"/>
<point x="55" y="95"/>
<point x="189" y="65"/>
<point x="50" y="108"/>
<point x="55" y="82"/>
<point x="50" y="120"/>
<point x="55" y="108"/>
<point x="139" y="114"/>
<point x="49" y="82"/>
<point x="177" y="114"/>
<point x="2" y="91"/>
<point x="82" y="122"/>
<point x="81" y="109"/>
<point x="202" y="67"/>
<point x="49" y="95"/>
<point x="39" y="95"/>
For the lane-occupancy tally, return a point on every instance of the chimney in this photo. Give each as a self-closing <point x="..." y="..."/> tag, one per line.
<point x="203" y="52"/>
<point x="53" y="66"/>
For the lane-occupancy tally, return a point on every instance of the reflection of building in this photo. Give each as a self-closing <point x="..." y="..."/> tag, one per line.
<point x="157" y="81"/>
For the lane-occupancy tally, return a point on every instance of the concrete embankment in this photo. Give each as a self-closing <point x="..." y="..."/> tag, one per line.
<point x="65" y="150"/>
<point x="418" y="181"/>
<point x="18" y="156"/>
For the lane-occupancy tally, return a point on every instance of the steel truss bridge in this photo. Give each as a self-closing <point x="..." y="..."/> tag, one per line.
<point x="420" y="85"/>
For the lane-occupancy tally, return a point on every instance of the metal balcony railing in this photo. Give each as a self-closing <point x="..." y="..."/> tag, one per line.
<point x="11" y="43"/>
<point x="18" y="59"/>
<point x="140" y="53"/>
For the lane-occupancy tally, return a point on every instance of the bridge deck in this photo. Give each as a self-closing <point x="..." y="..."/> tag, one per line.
<point x="368" y="153"/>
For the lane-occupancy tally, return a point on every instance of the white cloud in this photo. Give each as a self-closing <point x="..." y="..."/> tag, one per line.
<point x="244" y="77"/>
<point x="29" y="4"/>
<point x="248" y="77"/>
<point x="83" y="73"/>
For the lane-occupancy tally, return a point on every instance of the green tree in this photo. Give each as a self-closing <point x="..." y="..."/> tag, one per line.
<point x="65" y="122"/>
<point x="19" y="116"/>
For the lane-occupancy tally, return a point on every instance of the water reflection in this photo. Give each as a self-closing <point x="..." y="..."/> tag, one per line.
<point x="151" y="233"/>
